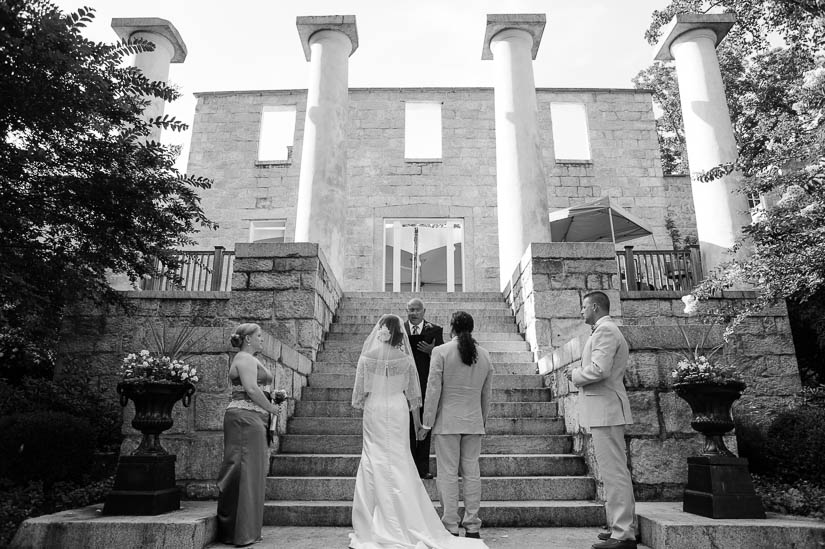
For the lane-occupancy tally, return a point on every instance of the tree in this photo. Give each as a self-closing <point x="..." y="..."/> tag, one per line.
<point x="776" y="97"/>
<point x="83" y="189"/>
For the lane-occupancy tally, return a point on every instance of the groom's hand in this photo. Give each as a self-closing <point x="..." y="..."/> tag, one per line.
<point x="425" y="347"/>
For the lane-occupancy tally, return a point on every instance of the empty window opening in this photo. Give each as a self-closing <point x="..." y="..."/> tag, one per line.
<point x="277" y="133"/>
<point x="570" y="137"/>
<point x="422" y="131"/>
<point x="268" y="230"/>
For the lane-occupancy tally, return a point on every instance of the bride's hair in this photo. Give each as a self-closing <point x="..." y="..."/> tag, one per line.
<point x="462" y="326"/>
<point x="393" y="324"/>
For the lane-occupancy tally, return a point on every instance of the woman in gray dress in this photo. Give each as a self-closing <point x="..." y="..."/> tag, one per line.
<point x="242" y="480"/>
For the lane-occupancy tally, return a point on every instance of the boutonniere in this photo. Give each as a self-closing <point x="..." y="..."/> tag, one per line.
<point x="426" y="325"/>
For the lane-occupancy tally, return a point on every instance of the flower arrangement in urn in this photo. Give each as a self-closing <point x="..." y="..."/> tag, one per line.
<point x="155" y="382"/>
<point x="143" y="367"/>
<point x="697" y="365"/>
<point x="710" y="388"/>
<point x="166" y="364"/>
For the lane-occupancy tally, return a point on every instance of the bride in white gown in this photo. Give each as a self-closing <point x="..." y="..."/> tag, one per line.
<point x="390" y="508"/>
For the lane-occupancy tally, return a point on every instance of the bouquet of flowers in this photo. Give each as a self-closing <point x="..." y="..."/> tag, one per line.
<point x="696" y="367"/>
<point x="143" y="366"/>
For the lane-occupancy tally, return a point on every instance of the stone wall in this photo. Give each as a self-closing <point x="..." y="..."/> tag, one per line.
<point x="625" y="165"/>
<point x="286" y="288"/>
<point x="546" y="289"/>
<point x="544" y="294"/>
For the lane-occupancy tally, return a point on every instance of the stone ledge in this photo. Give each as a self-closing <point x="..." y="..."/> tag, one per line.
<point x="157" y="294"/>
<point x="571" y="250"/>
<point x="194" y="526"/>
<point x="665" y="525"/>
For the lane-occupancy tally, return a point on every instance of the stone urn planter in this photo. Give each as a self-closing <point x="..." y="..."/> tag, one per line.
<point x="145" y="480"/>
<point x="154" y="401"/>
<point x="719" y="484"/>
<point x="711" y="405"/>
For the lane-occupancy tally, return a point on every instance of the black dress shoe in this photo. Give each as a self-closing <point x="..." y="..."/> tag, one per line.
<point x="454" y="533"/>
<point x="427" y="476"/>
<point x="604" y="535"/>
<point x="613" y="543"/>
<point x="474" y="535"/>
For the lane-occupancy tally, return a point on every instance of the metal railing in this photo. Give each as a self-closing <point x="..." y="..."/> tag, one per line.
<point x="199" y="271"/>
<point x="660" y="270"/>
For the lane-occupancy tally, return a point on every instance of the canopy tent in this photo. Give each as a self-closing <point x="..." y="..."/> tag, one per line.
<point x="598" y="221"/>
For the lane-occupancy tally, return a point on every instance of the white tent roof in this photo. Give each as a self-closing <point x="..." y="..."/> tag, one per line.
<point x="597" y="221"/>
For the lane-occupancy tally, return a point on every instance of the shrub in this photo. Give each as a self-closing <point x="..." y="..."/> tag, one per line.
<point x="791" y="498"/>
<point x="47" y="446"/>
<point x="796" y="444"/>
<point x="71" y="394"/>
<point x="20" y="356"/>
<point x="17" y="503"/>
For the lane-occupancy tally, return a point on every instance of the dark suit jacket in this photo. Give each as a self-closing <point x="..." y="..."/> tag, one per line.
<point x="431" y="333"/>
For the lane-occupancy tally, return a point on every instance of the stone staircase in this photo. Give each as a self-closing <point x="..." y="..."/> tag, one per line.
<point x="529" y="475"/>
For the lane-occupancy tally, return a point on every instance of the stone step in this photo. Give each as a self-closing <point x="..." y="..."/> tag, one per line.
<point x="492" y="444"/>
<point x="482" y="337"/>
<point x="432" y="313"/>
<point x="355" y="345"/>
<point x="492" y="465"/>
<point x="404" y="297"/>
<point x="364" y="328"/>
<point x="400" y="308"/>
<point x="495" y="426"/>
<point x="500" y="381"/>
<point x="481" y="322"/>
<point x="499" y="395"/>
<point x="494" y="488"/>
<point x="494" y="513"/>
<point x="521" y="368"/>
<point x="340" y="409"/>
<point x="495" y="356"/>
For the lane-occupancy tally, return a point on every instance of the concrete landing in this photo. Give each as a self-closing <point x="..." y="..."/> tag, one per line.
<point x="192" y="527"/>
<point x="663" y="525"/>
<point x="294" y="537"/>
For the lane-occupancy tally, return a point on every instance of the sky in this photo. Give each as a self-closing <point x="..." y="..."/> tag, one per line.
<point x="254" y="44"/>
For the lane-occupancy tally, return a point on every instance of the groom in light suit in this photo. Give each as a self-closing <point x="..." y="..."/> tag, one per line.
<point x="456" y="410"/>
<point x="605" y="410"/>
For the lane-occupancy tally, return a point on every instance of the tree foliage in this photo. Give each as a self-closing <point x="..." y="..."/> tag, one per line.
<point x="84" y="191"/>
<point x="776" y="98"/>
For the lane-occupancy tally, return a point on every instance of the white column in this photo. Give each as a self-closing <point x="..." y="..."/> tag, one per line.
<point x="721" y="211"/>
<point x="169" y="48"/>
<point x="512" y="42"/>
<point x="322" y="200"/>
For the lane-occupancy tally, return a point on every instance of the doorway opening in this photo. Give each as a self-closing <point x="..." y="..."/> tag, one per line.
<point x="424" y="255"/>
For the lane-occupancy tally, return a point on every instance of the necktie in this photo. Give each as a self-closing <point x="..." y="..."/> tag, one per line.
<point x="415" y="330"/>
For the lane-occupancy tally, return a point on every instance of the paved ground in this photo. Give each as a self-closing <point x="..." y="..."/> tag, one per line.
<point x="496" y="538"/>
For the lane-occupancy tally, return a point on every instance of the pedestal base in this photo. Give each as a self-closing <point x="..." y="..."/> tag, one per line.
<point x="721" y="487"/>
<point x="144" y="485"/>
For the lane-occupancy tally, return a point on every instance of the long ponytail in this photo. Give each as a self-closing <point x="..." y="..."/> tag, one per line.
<point x="462" y="326"/>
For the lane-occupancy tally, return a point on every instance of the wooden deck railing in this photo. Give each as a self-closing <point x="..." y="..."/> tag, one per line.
<point x="662" y="270"/>
<point x="199" y="271"/>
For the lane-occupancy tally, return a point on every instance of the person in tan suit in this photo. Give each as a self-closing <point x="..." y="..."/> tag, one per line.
<point x="459" y="390"/>
<point x="605" y="410"/>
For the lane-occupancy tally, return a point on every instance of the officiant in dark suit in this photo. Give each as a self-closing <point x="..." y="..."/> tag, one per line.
<point x="424" y="337"/>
